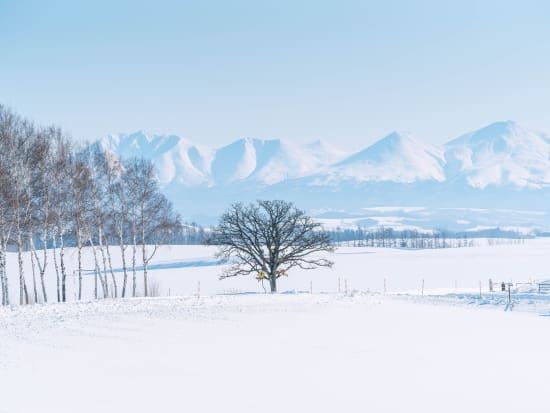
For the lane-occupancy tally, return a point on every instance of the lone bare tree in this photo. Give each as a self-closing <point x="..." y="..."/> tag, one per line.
<point x="269" y="238"/>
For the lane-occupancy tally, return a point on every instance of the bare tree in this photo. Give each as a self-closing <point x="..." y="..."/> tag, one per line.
<point x="62" y="200"/>
<point x="268" y="239"/>
<point x="121" y="221"/>
<point x="108" y="170"/>
<point x="19" y="134"/>
<point x="151" y="215"/>
<point x="42" y="188"/>
<point x="52" y="196"/>
<point x="7" y="193"/>
<point x="131" y="180"/>
<point x="98" y="218"/>
<point x="81" y="210"/>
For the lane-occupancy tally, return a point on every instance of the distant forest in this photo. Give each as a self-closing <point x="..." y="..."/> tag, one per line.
<point x="384" y="237"/>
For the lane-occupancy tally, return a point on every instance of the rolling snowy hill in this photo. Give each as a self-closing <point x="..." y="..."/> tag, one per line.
<point x="501" y="166"/>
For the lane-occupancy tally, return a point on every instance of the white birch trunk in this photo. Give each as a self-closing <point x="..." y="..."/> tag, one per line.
<point x="134" y="253"/>
<point x="79" y="247"/>
<point x="115" y="286"/>
<point x="3" y="263"/>
<point x="41" y="266"/>
<point x="104" y="259"/>
<point x="23" y="295"/>
<point x="33" y="266"/>
<point x="3" y="279"/>
<point x="62" y="265"/>
<point x="56" y="265"/>
<point x="97" y="272"/>
<point x="134" y="272"/>
<point x="43" y="269"/>
<point x="144" y="254"/>
<point x="124" y="269"/>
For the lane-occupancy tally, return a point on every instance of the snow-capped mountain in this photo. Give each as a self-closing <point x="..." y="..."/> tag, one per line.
<point x="397" y="157"/>
<point x="177" y="160"/>
<point x="258" y="161"/>
<point x="503" y="153"/>
<point x="270" y="161"/>
<point x="502" y="165"/>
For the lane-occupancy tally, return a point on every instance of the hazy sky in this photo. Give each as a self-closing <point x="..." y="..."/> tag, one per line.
<point x="214" y="71"/>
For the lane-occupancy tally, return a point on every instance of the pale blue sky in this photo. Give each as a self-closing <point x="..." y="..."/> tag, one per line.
<point x="214" y="71"/>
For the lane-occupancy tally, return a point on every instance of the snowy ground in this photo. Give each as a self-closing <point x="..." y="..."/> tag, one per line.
<point x="448" y="350"/>
<point x="177" y="270"/>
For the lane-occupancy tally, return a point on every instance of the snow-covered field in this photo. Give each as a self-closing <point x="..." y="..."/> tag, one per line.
<point x="235" y="349"/>
<point x="177" y="270"/>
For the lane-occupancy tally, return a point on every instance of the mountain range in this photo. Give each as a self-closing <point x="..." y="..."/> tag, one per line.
<point x="501" y="166"/>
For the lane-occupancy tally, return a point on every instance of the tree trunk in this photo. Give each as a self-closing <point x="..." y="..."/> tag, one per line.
<point x="43" y="269"/>
<point x="33" y="266"/>
<point x="5" y="265"/>
<point x="56" y="265"/>
<point x="145" y="289"/>
<point x="97" y="272"/>
<point x="26" y="293"/>
<point x="115" y="286"/>
<point x="273" y="283"/>
<point x="124" y="268"/>
<point x="62" y="264"/>
<point x="123" y="247"/>
<point x="22" y="286"/>
<point x="144" y="252"/>
<point x="134" y="273"/>
<point x="104" y="260"/>
<point x="96" y="276"/>
<point x="79" y="247"/>
<point x="3" y="278"/>
<point x="104" y="286"/>
<point x="125" y="279"/>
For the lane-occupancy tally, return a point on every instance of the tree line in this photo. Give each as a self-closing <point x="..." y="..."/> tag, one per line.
<point x="386" y="237"/>
<point x="55" y="194"/>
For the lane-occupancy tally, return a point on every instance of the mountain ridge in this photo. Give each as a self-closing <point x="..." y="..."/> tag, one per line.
<point x="502" y="153"/>
<point x="502" y="166"/>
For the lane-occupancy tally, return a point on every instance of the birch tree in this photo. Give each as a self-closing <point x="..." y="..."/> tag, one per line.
<point x="81" y="211"/>
<point x="153" y="216"/>
<point x="7" y="119"/>
<point x="53" y="197"/>
<point x="20" y="133"/>
<point x="42" y="187"/>
<point x="61" y="202"/>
